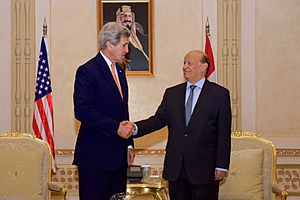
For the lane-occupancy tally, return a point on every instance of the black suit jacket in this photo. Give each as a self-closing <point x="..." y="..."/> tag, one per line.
<point x="99" y="107"/>
<point x="205" y="143"/>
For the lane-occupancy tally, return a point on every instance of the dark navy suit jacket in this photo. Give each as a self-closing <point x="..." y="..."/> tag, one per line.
<point x="99" y="107"/>
<point x="205" y="143"/>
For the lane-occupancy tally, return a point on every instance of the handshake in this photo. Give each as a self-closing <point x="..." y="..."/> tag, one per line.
<point x="126" y="129"/>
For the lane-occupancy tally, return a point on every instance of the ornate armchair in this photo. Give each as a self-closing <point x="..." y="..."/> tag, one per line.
<point x="252" y="172"/>
<point x="25" y="168"/>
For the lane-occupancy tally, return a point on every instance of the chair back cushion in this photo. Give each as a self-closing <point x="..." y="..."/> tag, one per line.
<point x="244" y="179"/>
<point x="241" y="141"/>
<point x="24" y="168"/>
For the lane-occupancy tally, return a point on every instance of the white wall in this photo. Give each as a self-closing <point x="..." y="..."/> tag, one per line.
<point x="277" y="68"/>
<point x="248" y="92"/>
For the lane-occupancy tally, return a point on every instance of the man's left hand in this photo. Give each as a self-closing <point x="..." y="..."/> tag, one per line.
<point x="220" y="175"/>
<point x="131" y="155"/>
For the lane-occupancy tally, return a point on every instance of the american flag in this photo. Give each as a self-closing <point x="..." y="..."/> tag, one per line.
<point x="43" y="124"/>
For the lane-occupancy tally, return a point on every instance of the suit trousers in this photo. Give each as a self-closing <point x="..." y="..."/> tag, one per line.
<point x="183" y="189"/>
<point x="97" y="184"/>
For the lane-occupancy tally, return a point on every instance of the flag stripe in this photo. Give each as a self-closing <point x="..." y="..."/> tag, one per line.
<point x="42" y="110"/>
<point x="48" y="113"/>
<point x="39" y="132"/>
<point x="209" y="52"/>
<point x="35" y="128"/>
<point x="49" y="100"/>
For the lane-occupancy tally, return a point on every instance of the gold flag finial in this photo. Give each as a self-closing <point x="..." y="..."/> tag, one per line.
<point x="45" y="27"/>
<point x="207" y="27"/>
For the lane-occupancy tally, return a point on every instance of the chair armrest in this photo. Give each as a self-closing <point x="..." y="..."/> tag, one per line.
<point x="57" y="190"/>
<point x="279" y="190"/>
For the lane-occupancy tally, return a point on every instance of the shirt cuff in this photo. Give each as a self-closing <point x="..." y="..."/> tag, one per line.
<point x="130" y="147"/>
<point x="222" y="169"/>
<point x="135" y="130"/>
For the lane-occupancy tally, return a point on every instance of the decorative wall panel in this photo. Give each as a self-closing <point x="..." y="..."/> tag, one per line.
<point x="228" y="69"/>
<point x="288" y="175"/>
<point x="23" y="64"/>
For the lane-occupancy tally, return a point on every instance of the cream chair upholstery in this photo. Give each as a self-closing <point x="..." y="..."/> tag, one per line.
<point x="252" y="172"/>
<point x="25" y="169"/>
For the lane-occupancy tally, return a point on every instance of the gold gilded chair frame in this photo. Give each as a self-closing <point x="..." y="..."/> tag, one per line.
<point x="279" y="192"/>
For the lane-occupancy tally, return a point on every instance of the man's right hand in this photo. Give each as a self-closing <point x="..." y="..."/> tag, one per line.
<point x="126" y="129"/>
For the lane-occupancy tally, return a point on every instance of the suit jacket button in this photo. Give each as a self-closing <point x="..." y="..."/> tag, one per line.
<point x="185" y="135"/>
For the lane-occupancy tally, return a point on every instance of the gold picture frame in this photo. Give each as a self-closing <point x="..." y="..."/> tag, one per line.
<point x="141" y="41"/>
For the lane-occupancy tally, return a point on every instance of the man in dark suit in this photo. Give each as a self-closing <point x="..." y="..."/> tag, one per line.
<point x="100" y="104"/>
<point x="198" y="116"/>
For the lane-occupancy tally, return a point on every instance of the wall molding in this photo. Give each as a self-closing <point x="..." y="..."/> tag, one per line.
<point x="161" y="152"/>
<point x="288" y="152"/>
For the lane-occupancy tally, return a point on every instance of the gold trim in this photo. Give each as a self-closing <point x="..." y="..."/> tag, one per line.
<point x="161" y="152"/>
<point x="288" y="152"/>
<point x="64" y="152"/>
<point x="288" y="166"/>
<point x="18" y="135"/>
<point x="243" y="134"/>
<point x="140" y="152"/>
<point x="150" y="152"/>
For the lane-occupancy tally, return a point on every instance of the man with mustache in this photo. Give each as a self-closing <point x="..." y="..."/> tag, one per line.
<point x="198" y="115"/>
<point x="137" y="57"/>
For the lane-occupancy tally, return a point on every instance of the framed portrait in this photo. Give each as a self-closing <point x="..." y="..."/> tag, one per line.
<point x="137" y="16"/>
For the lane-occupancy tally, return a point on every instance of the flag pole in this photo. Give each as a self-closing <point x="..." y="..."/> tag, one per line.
<point x="207" y="27"/>
<point x="209" y="52"/>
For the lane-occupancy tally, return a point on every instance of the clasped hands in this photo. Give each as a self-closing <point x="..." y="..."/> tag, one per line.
<point x="126" y="129"/>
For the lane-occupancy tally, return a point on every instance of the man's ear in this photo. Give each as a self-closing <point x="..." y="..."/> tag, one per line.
<point x="204" y="66"/>
<point x="109" y="45"/>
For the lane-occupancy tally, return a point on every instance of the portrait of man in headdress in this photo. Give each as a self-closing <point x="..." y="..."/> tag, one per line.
<point x="138" y="57"/>
<point x="137" y="17"/>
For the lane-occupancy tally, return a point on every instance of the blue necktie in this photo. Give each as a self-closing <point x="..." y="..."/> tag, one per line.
<point x="188" y="105"/>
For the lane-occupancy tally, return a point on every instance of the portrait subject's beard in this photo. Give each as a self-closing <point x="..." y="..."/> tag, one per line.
<point x="128" y="26"/>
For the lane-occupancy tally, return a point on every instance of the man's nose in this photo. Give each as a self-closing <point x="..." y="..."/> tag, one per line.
<point x="185" y="65"/>
<point x="126" y="49"/>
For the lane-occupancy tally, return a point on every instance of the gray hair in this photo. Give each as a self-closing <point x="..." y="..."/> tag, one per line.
<point x="112" y="31"/>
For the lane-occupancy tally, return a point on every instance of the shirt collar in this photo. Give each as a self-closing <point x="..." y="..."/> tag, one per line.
<point x="199" y="83"/>
<point x="106" y="60"/>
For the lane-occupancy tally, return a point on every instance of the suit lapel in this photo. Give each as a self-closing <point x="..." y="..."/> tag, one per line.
<point x="181" y="103"/>
<point x="106" y="74"/>
<point x="200" y="104"/>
